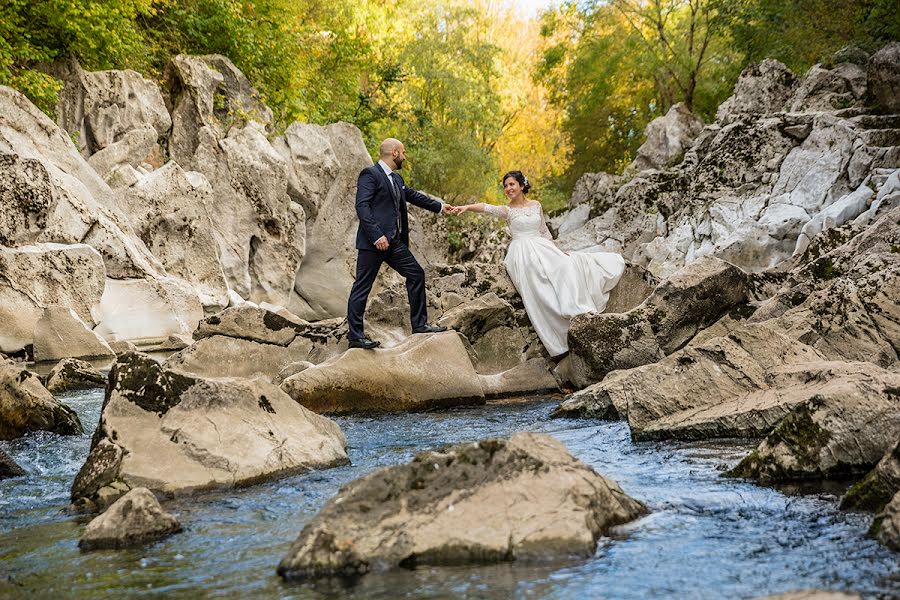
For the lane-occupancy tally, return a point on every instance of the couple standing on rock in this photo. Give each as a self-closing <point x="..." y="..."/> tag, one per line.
<point x="554" y="286"/>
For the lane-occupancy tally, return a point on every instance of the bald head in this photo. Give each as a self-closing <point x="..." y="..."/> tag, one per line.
<point x="392" y="153"/>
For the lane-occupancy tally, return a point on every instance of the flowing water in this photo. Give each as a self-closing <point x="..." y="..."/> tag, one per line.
<point x="706" y="537"/>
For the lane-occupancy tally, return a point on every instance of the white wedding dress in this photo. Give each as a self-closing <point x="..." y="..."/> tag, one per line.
<point x="554" y="286"/>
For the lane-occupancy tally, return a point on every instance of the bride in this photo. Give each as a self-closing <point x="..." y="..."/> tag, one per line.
<point x="554" y="286"/>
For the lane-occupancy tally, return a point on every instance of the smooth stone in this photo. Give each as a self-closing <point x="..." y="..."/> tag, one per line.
<point x="133" y="520"/>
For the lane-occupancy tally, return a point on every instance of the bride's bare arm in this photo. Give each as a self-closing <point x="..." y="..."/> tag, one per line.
<point x="481" y="207"/>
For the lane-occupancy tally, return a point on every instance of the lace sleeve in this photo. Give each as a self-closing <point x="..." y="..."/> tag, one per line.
<point x="497" y="211"/>
<point x="545" y="231"/>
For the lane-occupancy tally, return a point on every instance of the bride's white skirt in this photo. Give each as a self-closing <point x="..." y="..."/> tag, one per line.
<point x="555" y="286"/>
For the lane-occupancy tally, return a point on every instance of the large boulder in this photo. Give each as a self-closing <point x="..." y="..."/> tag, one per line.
<point x="219" y="130"/>
<point x="35" y="277"/>
<point x="667" y="139"/>
<point x="73" y="374"/>
<point x="886" y="527"/>
<point x="525" y="498"/>
<point x="829" y="89"/>
<point x="762" y="88"/>
<point x="9" y="467"/>
<point x="134" y="519"/>
<point x="267" y="327"/>
<point x="877" y="488"/>
<point x="170" y="211"/>
<point x="59" y="333"/>
<point x="26" y="405"/>
<point x="224" y="356"/>
<point x="884" y="77"/>
<point x="175" y="433"/>
<point x="675" y="311"/>
<point x="101" y="109"/>
<point x="147" y="311"/>
<point x="424" y="372"/>
<point x="833" y="436"/>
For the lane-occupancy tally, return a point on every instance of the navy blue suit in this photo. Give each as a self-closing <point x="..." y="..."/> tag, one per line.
<point x="381" y="208"/>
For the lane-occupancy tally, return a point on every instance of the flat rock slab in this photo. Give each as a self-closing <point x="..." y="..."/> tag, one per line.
<point x="26" y="405"/>
<point x="173" y="432"/>
<point x="525" y="498"/>
<point x="60" y="333"/>
<point x="134" y="519"/>
<point x="222" y="356"/>
<point x="266" y="327"/>
<point x="830" y="436"/>
<point x="74" y="374"/>
<point x="426" y="371"/>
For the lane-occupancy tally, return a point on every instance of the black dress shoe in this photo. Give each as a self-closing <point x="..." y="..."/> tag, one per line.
<point x="364" y="343"/>
<point x="429" y="329"/>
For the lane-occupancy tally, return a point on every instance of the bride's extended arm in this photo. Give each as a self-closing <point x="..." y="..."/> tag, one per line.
<point x="481" y="207"/>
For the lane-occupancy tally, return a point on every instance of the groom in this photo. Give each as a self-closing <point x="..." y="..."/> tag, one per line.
<point x="383" y="237"/>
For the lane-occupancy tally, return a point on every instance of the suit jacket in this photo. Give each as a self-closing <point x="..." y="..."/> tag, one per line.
<point x="377" y="210"/>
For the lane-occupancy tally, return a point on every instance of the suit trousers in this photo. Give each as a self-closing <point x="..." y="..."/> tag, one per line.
<point x="368" y="263"/>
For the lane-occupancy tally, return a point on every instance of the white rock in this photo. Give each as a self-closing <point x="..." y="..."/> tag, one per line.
<point x="59" y="333"/>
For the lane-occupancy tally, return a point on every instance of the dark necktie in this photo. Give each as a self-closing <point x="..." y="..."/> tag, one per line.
<point x="396" y="190"/>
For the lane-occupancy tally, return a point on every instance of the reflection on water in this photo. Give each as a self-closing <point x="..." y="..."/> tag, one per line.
<point x="707" y="537"/>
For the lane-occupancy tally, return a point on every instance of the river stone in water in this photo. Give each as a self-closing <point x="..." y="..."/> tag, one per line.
<point x="26" y="405"/>
<point x="8" y="467"/>
<point x="74" y="374"/>
<point x="173" y="432"/>
<point x="525" y="498"/>
<point x="132" y="520"/>
<point x="886" y="527"/>
<point x="426" y="371"/>
<point x="830" y="437"/>
<point x="875" y="490"/>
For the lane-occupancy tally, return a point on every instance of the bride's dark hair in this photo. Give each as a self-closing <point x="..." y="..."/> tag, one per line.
<point x="520" y="177"/>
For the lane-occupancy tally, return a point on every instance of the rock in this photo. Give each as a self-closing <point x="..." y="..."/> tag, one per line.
<point x="8" y="467"/>
<point x="757" y="413"/>
<point x="403" y="378"/>
<point x="327" y="272"/>
<point x="886" y="527"/>
<point x="35" y="277"/>
<point x="173" y="433"/>
<point x="134" y="149"/>
<point x="762" y="88"/>
<point x="877" y="488"/>
<point x="219" y="130"/>
<point x="477" y="317"/>
<point x="101" y="108"/>
<point x="313" y="164"/>
<point x="133" y="520"/>
<point x="147" y="311"/>
<point x="122" y="346"/>
<point x="59" y="333"/>
<point x="829" y="89"/>
<point x="175" y="342"/>
<point x="499" y="349"/>
<point x="598" y="189"/>
<point x="26" y="405"/>
<point x="170" y="211"/>
<point x="884" y="77"/>
<point x="58" y="195"/>
<point x="667" y="139"/>
<point x="222" y="356"/>
<point x="812" y="595"/>
<point x="265" y="326"/>
<point x="634" y="287"/>
<point x="532" y="376"/>
<point x="675" y="311"/>
<point x="73" y="374"/>
<point x="291" y="369"/>
<point x="830" y="437"/>
<point x="525" y="498"/>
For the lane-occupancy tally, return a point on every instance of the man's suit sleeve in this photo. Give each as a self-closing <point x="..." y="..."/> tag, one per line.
<point x="421" y="200"/>
<point x="365" y="193"/>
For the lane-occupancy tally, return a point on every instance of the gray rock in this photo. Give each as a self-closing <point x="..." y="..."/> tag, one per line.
<point x="884" y="77"/>
<point x="667" y="139"/>
<point x="485" y="502"/>
<point x="476" y="317"/>
<point x="266" y="327"/>
<point x="8" y="467"/>
<point x="223" y="356"/>
<point x="829" y="89"/>
<point x="172" y="432"/>
<point x="73" y="374"/>
<point x="529" y="377"/>
<point x="762" y="88"/>
<point x="834" y="436"/>
<point x="877" y="488"/>
<point x="133" y="520"/>
<point x="26" y="405"/>
<point x="886" y="527"/>
<point x="59" y="333"/>
<point x="401" y="378"/>
<point x="676" y="310"/>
